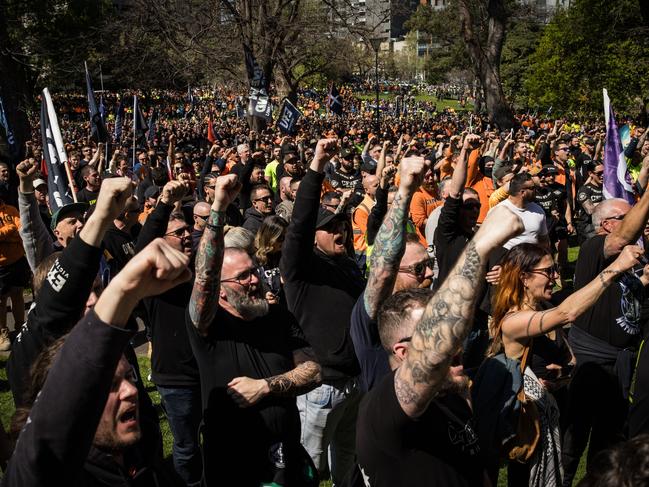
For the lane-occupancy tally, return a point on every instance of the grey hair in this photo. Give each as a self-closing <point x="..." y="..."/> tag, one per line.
<point x="601" y="211"/>
<point x="240" y="238"/>
<point x="242" y="147"/>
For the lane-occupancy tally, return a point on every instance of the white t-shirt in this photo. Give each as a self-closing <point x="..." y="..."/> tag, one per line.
<point x="533" y="218"/>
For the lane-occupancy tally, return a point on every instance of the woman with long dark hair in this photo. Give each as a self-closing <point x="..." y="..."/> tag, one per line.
<point x="524" y="324"/>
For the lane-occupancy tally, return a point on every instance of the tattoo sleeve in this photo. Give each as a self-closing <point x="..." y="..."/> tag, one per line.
<point x="209" y="259"/>
<point x="438" y="336"/>
<point x="389" y="246"/>
<point x="300" y="380"/>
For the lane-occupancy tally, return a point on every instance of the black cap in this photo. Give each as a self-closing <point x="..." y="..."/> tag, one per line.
<point x="325" y="217"/>
<point x="548" y="169"/>
<point x="347" y="154"/>
<point x="368" y="167"/>
<point x="289" y="156"/>
<point x="151" y="192"/>
<point x="66" y="210"/>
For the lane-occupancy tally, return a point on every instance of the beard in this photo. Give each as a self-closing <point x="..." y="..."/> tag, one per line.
<point x="249" y="305"/>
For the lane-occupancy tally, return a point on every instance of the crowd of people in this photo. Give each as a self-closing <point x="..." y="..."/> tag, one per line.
<point x="384" y="304"/>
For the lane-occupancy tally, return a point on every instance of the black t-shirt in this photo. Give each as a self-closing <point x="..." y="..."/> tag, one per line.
<point x="617" y="316"/>
<point x="438" y="448"/>
<point x="588" y="192"/>
<point x="639" y="410"/>
<point x="551" y="198"/>
<point x="237" y="440"/>
<point x="372" y="357"/>
<point x="172" y="360"/>
<point x="342" y="181"/>
<point x="87" y="196"/>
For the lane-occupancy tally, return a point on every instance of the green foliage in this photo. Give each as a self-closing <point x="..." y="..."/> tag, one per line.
<point x="521" y="41"/>
<point x="594" y="44"/>
<point x="53" y="37"/>
<point x="447" y="49"/>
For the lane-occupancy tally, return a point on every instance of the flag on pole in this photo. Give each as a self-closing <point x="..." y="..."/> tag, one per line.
<point x="289" y="115"/>
<point x="55" y="157"/>
<point x="258" y="100"/>
<point x="98" y="131"/>
<point x="139" y="125"/>
<point x="119" y="122"/>
<point x="334" y="100"/>
<point x="152" y="122"/>
<point x="617" y="183"/>
<point x="4" y="123"/>
<point x="211" y="135"/>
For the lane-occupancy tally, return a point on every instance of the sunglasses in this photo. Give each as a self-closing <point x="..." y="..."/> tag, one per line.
<point x="178" y="233"/>
<point x="264" y="198"/>
<point x="548" y="272"/>
<point x="563" y="148"/>
<point x="598" y="173"/>
<point x="418" y="269"/>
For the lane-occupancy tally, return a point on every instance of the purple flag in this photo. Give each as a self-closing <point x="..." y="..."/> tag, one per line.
<point x="617" y="182"/>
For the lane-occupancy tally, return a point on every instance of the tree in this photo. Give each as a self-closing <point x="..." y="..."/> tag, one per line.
<point x="44" y="42"/>
<point x="592" y="45"/>
<point x="483" y="31"/>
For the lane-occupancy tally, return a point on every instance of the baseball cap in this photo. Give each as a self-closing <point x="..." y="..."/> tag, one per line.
<point x="347" y="154"/>
<point x="39" y="182"/>
<point x="151" y="192"/>
<point x="325" y="217"/>
<point x="66" y="210"/>
<point x="501" y="171"/>
<point x="548" y="169"/>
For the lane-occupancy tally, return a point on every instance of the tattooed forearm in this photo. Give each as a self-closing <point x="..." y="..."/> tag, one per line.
<point x="389" y="246"/>
<point x="209" y="258"/>
<point x="438" y="336"/>
<point x="300" y="380"/>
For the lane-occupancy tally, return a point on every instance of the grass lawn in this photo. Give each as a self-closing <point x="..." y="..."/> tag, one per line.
<point x="441" y="104"/>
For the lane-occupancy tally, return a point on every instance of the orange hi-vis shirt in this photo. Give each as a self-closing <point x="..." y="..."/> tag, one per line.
<point x="359" y="223"/>
<point x="476" y="180"/>
<point x="11" y="245"/>
<point x="422" y="205"/>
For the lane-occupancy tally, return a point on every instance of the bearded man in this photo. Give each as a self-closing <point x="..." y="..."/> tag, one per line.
<point x="253" y="360"/>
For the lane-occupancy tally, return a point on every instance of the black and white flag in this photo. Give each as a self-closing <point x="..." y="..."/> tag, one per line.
<point x="55" y="156"/>
<point x="289" y="115"/>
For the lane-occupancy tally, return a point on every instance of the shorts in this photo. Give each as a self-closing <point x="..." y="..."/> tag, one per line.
<point x="14" y="275"/>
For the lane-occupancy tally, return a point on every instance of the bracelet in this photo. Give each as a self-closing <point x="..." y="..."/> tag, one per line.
<point x="218" y="220"/>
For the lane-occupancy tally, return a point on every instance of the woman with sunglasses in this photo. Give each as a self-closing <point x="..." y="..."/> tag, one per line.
<point x="524" y="321"/>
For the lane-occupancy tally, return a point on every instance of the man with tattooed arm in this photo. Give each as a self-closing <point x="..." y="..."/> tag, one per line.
<point x="414" y="426"/>
<point x="252" y="360"/>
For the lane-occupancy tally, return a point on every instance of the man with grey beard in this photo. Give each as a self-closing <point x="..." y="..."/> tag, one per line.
<point x="253" y="360"/>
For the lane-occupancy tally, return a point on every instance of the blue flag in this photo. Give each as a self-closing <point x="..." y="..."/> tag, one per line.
<point x="288" y="117"/>
<point x="98" y="130"/>
<point x="152" y="122"/>
<point x="4" y="123"/>
<point x="119" y="122"/>
<point x="334" y="100"/>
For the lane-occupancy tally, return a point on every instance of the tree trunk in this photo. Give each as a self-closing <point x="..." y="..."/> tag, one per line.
<point x="486" y="59"/>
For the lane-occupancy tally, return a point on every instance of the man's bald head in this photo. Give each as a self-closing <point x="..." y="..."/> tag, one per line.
<point x="606" y="216"/>
<point x="370" y="183"/>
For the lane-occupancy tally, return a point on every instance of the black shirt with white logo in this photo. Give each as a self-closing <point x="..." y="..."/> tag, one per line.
<point x="617" y="317"/>
<point x="588" y="192"/>
<point x="438" y="448"/>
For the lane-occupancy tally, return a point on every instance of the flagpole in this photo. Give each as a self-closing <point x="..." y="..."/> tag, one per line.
<point x="101" y="81"/>
<point x="58" y="141"/>
<point x="134" y="126"/>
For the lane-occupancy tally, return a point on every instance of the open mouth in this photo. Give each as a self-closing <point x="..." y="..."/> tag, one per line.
<point x="339" y="240"/>
<point x="129" y="416"/>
